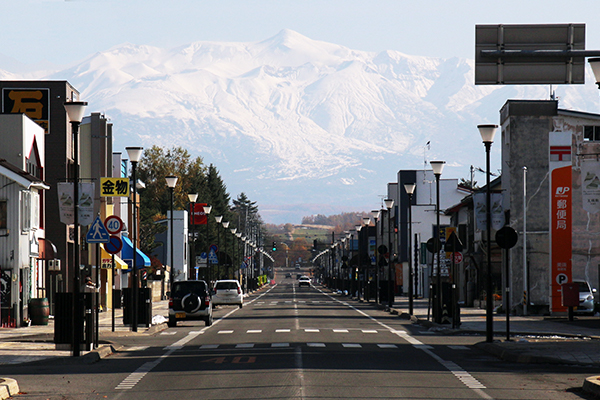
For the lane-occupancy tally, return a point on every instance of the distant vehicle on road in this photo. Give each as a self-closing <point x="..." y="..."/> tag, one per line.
<point x="228" y="292"/>
<point x="304" y="281"/>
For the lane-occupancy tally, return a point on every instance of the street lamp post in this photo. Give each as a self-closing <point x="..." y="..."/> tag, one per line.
<point x="171" y="182"/>
<point x="225" y="225"/>
<point x="134" y="153"/>
<point x="487" y="133"/>
<point x="367" y="267"/>
<point x="375" y="215"/>
<point x="389" y="203"/>
<point x="356" y="284"/>
<point x="233" y="231"/>
<point x="218" y="219"/>
<point x="207" y="209"/>
<point x="410" y="189"/>
<point x="193" y="197"/>
<point x="75" y="111"/>
<point x="438" y="167"/>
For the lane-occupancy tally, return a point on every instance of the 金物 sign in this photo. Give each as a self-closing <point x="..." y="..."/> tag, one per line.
<point x="114" y="187"/>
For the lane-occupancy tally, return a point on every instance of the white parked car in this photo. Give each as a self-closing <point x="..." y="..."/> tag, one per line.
<point x="228" y="292"/>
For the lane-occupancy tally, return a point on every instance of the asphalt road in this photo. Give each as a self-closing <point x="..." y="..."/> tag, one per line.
<point x="298" y="343"/>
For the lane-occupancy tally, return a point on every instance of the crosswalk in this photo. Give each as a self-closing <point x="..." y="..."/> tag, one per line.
<point x="290" y="330"/>
<point x="284" y="302"/>
<point x="283" y="345"/>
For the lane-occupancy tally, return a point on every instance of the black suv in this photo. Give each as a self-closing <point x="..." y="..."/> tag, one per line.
<point x="190" y="300"/>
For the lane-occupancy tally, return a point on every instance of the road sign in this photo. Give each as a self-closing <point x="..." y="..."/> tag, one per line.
<point x="507" y="237"/>
<point x="113" y="224"/>
<point x="114" y="245"/>
<point x="214" y="248"/>
<point x="458" y="257"/>
<point x="529" y="54"/>
<point x="97" y="232"/>
<point x="212" y="257"/>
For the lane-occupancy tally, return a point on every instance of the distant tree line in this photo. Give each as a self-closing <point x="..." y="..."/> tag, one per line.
<point x="338" y="222"/>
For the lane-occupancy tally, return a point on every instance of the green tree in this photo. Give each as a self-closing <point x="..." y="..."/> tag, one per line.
<point x="155" y="200"/>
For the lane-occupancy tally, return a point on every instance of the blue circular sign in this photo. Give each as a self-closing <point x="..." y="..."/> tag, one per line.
<point x="114" y="245"/>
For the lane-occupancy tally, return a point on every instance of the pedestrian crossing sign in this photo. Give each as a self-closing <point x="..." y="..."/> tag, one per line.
<point x="97" y="232"/>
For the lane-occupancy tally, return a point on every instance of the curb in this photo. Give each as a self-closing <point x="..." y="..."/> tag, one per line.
<point x="8" y="387"/>
<point x="592" y="385"/>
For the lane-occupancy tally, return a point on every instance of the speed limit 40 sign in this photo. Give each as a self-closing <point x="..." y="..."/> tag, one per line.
<point x="113" y="224"/>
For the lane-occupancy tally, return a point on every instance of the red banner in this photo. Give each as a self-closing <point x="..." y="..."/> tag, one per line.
<point x="561" y="222"/>
<point x="198" y="217"/>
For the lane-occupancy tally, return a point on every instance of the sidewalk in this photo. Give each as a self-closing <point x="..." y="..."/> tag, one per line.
<point x="36" y="342"/>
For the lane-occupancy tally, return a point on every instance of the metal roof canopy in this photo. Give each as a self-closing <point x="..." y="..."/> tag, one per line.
<point x="530" y="54"/>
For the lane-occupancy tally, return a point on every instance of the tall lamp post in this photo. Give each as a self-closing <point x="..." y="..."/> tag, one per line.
<point x="134" y="153"/>
<point x="233" y="231"/>
<point x="218" y="219"/>
<point x="410" y="189"/>
<point x="75" y="111"/>
<point x="389" y="203"/>
<point x="171" y="182"/>
<point x="207" y="209"/>
<point x="438" y="167"/>
<point x="366" y="269"/>
<point x="487" y="133"/>
<point x="375" y="215"/>
<point x="193" y="197"/>
<point x="225" y="225"/>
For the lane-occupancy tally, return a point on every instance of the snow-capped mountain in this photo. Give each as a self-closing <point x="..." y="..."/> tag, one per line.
<point x="301" y="126"/>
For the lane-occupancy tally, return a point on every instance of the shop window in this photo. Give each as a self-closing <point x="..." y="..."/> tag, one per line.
<point x="591" y="133"/>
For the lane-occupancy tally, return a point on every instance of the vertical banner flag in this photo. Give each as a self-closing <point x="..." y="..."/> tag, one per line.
<point x="590" y="187"/>
<point x="497" y="211"/>
<point x="561" y="241"/>
<point x="66" y="204"/>
<point x="199" y="217"/>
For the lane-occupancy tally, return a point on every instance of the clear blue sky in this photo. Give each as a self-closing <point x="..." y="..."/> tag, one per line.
<point x="66" y="31"/>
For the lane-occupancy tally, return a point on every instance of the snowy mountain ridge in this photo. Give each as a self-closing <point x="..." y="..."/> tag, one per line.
<point x="299" y="124"/>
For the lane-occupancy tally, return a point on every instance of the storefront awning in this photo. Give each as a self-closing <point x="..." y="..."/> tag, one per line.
<point x="127" y="253"/>
<point x="47" y="249"/>
<point x="107" y="260"/>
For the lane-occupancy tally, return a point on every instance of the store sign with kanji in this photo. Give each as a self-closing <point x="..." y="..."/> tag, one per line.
<point x="114" y="187"/>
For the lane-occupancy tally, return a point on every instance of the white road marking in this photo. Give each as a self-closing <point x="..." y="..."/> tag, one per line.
<point x="340" y="331"/>
<point x="369" y="331"/>
<point x="312" y="330"/>
<point x="254" y="331"/>
<point x="315" y="344"/>
<point x="351" y="345"/>
<point x="282" y="330"/>
<point x="225" y="332"/>
<point x="387" y="346"/>
<point x="461" y="374"/>
<point x="280" y="345"/>
<point x="244" y="346"/>
<point x="209" y="346"/>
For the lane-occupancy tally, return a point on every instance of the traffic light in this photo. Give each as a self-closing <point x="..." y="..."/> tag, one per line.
<point x="274" y="246"/>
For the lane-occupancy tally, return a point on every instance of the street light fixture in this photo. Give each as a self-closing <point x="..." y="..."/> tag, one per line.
<point x="438" y="167"/>
<point x="75" y="111"/>
<point x="595" y="64"/>
<point x="192" y="198"/>
<point x="410" y="189"/>
<point x="487" y="133"/>
<point x="134" y="153"/>
<point x="171" y="183"/>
